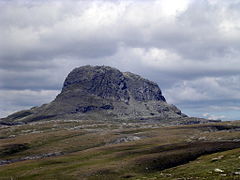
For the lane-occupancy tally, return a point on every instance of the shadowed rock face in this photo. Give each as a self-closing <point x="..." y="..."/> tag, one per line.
<point x="102" y="92"/>
<point x="142" y="89"/>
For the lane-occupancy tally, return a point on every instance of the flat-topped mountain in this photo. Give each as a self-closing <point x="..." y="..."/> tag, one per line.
<point x="103" y="93"/>
<point x="110" y="83"/>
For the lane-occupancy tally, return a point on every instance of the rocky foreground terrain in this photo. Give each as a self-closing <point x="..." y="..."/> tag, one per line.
<point x="86" y="149"/>
<point x="110" y="125"/>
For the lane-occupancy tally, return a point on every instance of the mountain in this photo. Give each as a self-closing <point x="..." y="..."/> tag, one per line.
<point x="106" y="124"/>
<point x="104" y="93"/>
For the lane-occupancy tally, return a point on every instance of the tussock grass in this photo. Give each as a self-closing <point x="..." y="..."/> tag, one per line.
<point x="89" y="154"/>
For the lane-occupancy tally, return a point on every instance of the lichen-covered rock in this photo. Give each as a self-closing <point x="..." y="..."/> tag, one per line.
<point x="142" y="89"/>
<point x="108" y="82"/>
<point x="102" y="81"/>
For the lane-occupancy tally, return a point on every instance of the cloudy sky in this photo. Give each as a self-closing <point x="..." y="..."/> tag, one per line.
<point x="191" y="48"/>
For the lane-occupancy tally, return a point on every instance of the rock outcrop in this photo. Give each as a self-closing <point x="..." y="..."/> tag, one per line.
<point x="107" y="82"/>
<point x="104" y="93"/>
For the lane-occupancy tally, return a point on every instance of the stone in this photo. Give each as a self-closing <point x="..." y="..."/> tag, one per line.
<point x="218" y="170"/>
<point x="217" y="158"/>
<point x="237" y="173"/>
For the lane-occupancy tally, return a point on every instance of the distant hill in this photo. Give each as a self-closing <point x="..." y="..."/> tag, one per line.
<point x="105" y="93"/>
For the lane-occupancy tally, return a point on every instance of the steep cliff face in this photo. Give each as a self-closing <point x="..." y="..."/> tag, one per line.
<point x="102" y="92"/>
<point x="107" y="82"/>
<point x="104" y="82"/>
<point x="142" y="89"/>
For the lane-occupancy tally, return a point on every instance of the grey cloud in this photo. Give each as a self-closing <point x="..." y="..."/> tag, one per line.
<point x="28" y="80"/>
<point x="228" y="108"/>
<point x="197" y="33"/>
<point x="30" y="35"/>
<point x="45" y="40"/>
<point x="15" y="100"/>
<point x="193" y="34"/>
<point x="206" y="89"/>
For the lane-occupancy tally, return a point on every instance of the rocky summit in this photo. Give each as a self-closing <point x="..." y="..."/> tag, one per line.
<point x="103" y="93"/>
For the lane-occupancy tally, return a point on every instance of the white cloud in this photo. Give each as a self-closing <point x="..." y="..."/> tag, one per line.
<point x="205" y="89"/>
<point x="183" y="93"/>
<point x="172" y="7"/>
<point x="156" y="58"/>
<point x="213" y="117"/>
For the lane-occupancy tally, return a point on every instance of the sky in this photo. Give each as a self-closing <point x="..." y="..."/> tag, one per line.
<point x="191" y="48"/>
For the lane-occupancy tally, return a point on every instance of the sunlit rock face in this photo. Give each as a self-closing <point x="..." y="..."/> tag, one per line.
<point x="107" y="82"/>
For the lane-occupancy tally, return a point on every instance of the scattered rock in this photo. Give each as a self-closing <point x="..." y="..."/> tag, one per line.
<point x="27" y="131"/>
<point x="39" y="156"/>
<point x="218" y="170"/>
<point x="126" y="139"/>
<point x="12" y="136"/>
<point x="168" y="175"/>
<point x="202" y="138"/>
<point x="217" y="158"/>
